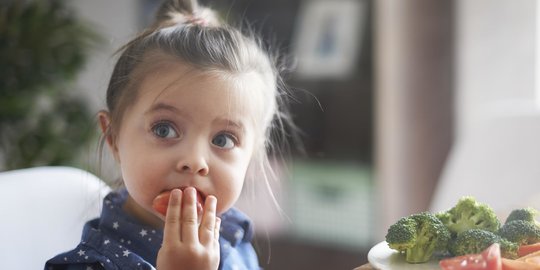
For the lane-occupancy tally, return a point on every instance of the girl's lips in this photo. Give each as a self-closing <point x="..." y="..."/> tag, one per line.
<point x="161" y="203"/>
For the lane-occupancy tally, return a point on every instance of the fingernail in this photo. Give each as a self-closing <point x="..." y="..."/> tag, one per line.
<point x="176" y="193"/>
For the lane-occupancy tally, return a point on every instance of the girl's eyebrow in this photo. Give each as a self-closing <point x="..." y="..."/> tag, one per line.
<point x="160" y="106"/>
<point x="235" y="124"/>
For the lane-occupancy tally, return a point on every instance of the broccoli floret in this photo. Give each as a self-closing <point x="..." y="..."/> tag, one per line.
<point x="527" y="214"/>
<point x="509" y="249"/>
<point x="403" y="234"/>
<point x="418" y="236"/>
<point x="474" y="241"/>
<point x="520" y="232"/>
<point x="443" y="216"/>
<point x="469" y="214"/>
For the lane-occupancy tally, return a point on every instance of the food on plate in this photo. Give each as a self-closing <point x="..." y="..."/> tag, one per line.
<point x="521" y="232"/>
<point x="470" y="227"/>
<point x="418" y="236"/>
<point x="509" y="264"/>
<point x="474" y="241"/>
<point x="488" y="259"/>
<point x="469" y="214"/>
<point x="531" y="258"/>
<point x="528" y="262"/>
<point x="528" y="249"/>
<point x="161" y="203"/>
<point x="527" y="214"/>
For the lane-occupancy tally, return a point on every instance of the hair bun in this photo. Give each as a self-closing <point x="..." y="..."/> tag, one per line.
<point x="186" y="12"/>
<point x="203" y="16"/>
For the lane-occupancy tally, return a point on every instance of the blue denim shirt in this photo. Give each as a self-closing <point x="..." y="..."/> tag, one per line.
<point x="117" y="241"/>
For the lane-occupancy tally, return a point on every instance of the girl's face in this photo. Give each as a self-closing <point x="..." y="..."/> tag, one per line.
<point x="186" y="129"/>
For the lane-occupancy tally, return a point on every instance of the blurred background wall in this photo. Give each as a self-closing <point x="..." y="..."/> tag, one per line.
<point x="385" y="90"/>
<point x="456" y="85"/>
<point x="414" y="51"/>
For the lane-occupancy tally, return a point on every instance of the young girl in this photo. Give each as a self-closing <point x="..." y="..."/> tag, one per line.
<point x="191" y="103"/>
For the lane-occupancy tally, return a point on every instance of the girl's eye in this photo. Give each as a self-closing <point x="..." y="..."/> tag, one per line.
<point x="164" y="130"/>
<point x="225" y="141"/>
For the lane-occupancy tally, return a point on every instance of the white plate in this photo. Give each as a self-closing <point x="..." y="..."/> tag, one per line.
<point x="382" y="257"/>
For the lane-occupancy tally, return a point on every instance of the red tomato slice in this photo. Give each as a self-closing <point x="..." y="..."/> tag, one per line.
<point x="527" y="249"/>
<point x="161" y="203"/>
<point x="489" y="259"/>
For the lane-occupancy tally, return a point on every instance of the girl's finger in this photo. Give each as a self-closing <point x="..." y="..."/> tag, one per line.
<point x="208" y="222"/>
<point x="217" y="228"/>
<point x="189" y="216"/>
<point x="171" y="231"/>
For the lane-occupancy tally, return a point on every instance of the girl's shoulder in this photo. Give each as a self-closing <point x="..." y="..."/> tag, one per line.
<point x="81" y="257"/>
<point x="98" y="251"/>
<point x="106" y="243"/>
<point x="88" y="257"/>
<point x="236" y="234"/>
<point x="236" y="227"/>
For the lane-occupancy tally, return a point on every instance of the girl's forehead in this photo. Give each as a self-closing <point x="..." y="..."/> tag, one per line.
<point x="182" y="85"/>
<point x="181" y="80"/>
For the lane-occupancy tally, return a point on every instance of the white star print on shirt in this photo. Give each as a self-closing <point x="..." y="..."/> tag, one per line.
<point x="238" y="235"/>
<point x="107" y="244"/>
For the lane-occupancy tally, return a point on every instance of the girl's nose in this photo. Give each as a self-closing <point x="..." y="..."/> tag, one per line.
<point x="193" y="162"/>
<point x="195" y="167"/>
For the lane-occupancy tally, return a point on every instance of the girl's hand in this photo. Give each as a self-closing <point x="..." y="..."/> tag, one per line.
<point x="186" y="244"/>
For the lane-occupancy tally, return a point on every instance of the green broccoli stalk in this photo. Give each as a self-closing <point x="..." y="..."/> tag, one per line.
<point x="419" y="236"/>
<point x="474" y="241"/>
<point x="527" y="214"/>
<point x="469" y="214"/>
<point x="520" y="232"/>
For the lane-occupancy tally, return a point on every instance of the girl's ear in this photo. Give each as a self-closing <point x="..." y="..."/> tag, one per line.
<point x="105" y="125"/>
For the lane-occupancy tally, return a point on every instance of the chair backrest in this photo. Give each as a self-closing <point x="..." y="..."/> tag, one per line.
<point x="498" y="162"/>
<point x="43" y="211"/>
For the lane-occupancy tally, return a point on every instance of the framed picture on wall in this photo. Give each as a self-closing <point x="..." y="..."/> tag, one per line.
<point x="327" y="38"/>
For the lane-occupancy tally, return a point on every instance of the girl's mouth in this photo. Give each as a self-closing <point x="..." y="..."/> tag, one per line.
<point x="161" y="203"/>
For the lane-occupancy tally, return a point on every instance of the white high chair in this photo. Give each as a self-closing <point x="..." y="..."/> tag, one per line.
<point x="497" y="161"/>
<point x="43" y="213"/>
